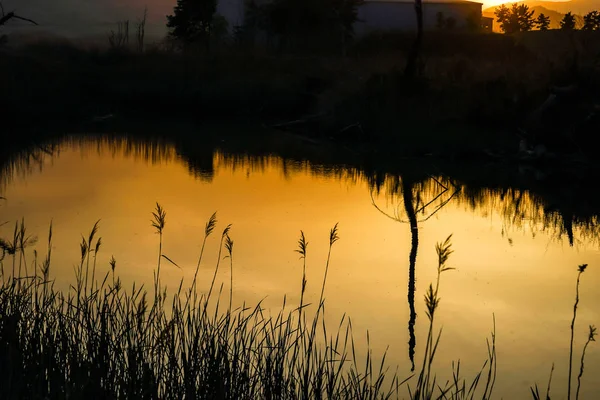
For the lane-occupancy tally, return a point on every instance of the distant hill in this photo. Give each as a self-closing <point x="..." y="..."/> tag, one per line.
<point x="544" y="7"/>
<point x="580" y="7"/>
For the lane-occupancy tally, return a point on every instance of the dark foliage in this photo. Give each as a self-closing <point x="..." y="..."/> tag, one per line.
<point x="568" y="22"/>
<point x="192" y="20"/>
<point x="542" y="22"/>
<point x="518" y="18"/>
<point x="296" y="23"/>
<point x="591" y="21"/>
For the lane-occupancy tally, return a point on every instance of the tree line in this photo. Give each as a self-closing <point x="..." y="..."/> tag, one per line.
<point x="519" y="18"/>
<point x="197" y="21"/>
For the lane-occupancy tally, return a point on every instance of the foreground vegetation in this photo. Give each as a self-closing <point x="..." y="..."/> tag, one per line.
<point x="99" y="340"/>
<point x="102" y="341"/>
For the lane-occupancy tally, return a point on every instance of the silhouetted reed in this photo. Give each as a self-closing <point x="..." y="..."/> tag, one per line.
<point x="591" y="338"/>
<point x="99" y="340"/>
<point x="427" y="384"/>
<point x="536" y="392"/>
<point x="581" y="270"/>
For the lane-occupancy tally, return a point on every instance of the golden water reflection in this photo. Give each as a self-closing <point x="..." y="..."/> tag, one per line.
<point x="512" y="257"/>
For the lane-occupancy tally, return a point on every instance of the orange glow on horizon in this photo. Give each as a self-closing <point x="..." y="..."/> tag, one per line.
<point x="492" y="3"/>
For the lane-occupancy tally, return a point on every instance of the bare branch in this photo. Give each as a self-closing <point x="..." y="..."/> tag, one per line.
<point x="25" y="19"/>
<point x="397" y="218"/>
<point x="6" y="17"/>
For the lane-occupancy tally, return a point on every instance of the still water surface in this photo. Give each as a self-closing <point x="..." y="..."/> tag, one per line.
<point x="512" y="260"/>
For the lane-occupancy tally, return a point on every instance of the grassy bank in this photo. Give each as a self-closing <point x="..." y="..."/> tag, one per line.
<point x="487" y="82"/>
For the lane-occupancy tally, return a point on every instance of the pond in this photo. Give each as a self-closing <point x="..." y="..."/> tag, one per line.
<point x="514" y="259"/>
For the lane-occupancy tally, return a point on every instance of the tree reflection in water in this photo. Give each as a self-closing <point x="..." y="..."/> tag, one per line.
<point x="414" y="205"/>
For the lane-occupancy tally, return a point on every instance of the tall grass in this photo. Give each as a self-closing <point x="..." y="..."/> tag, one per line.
<point x="581" y="270"/>
<point x="99" y="340"/>
<point x="591" y="338"/>
<point x="427" y="386"/>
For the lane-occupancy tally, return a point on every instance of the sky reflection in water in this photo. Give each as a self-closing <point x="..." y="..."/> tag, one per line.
<point x="511" y="262"/>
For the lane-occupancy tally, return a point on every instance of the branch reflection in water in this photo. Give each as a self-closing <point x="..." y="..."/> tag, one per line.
<point x="412" y="208"/>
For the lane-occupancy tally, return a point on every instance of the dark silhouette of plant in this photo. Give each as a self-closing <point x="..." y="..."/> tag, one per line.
<point x="294" y="21"/>
<point x="568" y="22"/>
<point x="103" y="341"/>
<point x="591" y="338"/>
<point x="4" y="17"/>
<point x="542" y="22"/>
<point x="581" y="270"/>
<point x="591" y="21"/>
<point x="517" y="18"/>
<point x="413" y="207"/>
<point x="140" y="29"/>
<point x="192" y="20"/>
<point x="414" y="56"/>
<point x="502" y="14"/>
<point x="119" y="39"/>
<point x="424" y="389"/>
<point x="407" y="195"/>
<point x="158" y="223"/>
<point x="345" y="13"/>
<point x="535" y="393"/>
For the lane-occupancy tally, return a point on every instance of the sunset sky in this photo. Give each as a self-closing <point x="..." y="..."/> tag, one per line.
<point x="490" y="3"/>
<point x="91" y="18"/>
<point x="108" y="9"/>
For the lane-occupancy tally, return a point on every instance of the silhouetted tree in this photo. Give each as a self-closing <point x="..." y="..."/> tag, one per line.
<point x="568" y="22"/>
<point x="140" y="31"/>
<point x="502" y="14"/>
<point x="518" y="18"/>
<point x="407" y="195"/>
<point x="414" y="206"/>
<point x="4" y="18"/>
<point x="591" y="21"/>
<point x="542" y="22"/>
<point x="306" y="15"/>
<point x="297" y="20"/>
<point x="345" y="12"/>
<point x="192" y="20"/>
<point x="413" y="59"/>
<point x="119" y="39"/>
